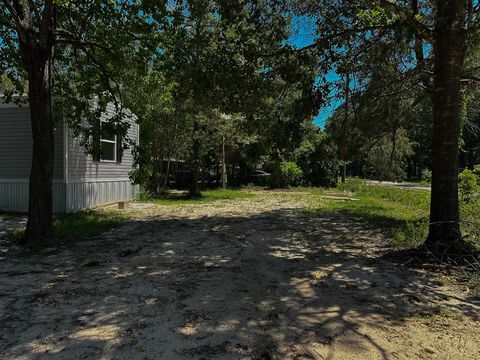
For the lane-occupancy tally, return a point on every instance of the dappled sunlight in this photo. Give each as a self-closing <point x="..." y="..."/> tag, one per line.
<point x="272" y="283"/>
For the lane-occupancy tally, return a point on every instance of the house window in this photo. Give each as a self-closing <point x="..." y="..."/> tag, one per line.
<point x="108" y="141"/>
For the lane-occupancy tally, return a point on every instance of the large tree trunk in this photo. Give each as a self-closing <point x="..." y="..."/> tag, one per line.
<point x="195" y="162"/>
<point x="38" y="63"/>
<point x="224" y="165"/>
<point x="449" y="52"/>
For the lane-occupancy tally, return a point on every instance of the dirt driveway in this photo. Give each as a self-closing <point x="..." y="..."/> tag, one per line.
<point x="244" y="279"/>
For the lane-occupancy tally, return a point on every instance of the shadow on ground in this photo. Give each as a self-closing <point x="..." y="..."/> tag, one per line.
<point x="274" y="285"/>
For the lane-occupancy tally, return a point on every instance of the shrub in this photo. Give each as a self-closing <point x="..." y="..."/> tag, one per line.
<point x="468" y="185"/>
<point x="427" y="175"/>
<point x="318" y="160"/>
<point x="145" y="194"/>
<point x="286" y="173"/>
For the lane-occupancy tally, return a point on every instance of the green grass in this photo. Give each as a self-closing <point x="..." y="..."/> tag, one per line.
<point x="85" y="224"/>
<point x="78" y="226"/>
<point x="403" y="213"/>
<point x="205" y="197"/>
<point x="418" y="182"/>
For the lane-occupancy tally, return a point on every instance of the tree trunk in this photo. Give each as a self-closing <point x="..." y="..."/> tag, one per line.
<point x="420" y="167"/>
<point x="224" y="166"/>
<point x="449" y="52"/>
<point x="471" y="159"/>
<point x="167" y="174"/>
<point x="195" y="162"/>
<point x="38" y="63"/>
<point x="345" y="126"/>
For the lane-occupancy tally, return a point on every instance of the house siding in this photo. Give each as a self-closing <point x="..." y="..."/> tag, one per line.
<point x="82" y="167"/>
<point x="79" y="181"/>
<point x="16" y="144"/>
<point x="91" y="183"/>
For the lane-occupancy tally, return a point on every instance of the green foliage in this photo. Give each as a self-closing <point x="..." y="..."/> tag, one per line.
<point x="385" y="160"/>
<point x="427" y="176"/>
<point x="468" y="185"/>
<point x="470" y="219"/>
<point x="145" y="194"/>
<point x="317" y="157"/>
<point x="285" y="174"/>
<point x="212" y="84"/>
<point x="95" y="45"/>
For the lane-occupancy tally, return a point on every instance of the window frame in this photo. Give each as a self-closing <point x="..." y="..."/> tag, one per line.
<point x="114" y="142"/>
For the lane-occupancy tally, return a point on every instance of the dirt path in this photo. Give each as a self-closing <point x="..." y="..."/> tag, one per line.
<point x="250" y="279"/>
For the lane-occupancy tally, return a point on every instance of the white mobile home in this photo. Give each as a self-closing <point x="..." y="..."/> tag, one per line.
<point x="79" y="181"/>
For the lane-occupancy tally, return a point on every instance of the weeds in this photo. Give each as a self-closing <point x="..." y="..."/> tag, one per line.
<point x="77" y="226"/>
<point x="181" y="198"/>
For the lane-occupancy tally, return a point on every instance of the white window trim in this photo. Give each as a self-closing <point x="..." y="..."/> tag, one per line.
<point x="110" y="142"/>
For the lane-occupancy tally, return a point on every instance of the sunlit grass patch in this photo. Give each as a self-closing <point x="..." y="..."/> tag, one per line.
<point x="182" y="198"/>
<point x="402" y="213"/>
<point x="78" y="226"/>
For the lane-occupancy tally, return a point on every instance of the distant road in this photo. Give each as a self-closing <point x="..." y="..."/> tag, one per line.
<point x="406" y="185"/>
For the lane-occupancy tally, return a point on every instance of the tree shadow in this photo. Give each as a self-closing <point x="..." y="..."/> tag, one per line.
<point x="272" y="285"/>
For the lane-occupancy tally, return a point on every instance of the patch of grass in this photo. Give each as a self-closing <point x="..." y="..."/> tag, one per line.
<point x="78" y="226"/>
<point x="205" y="197"/>
<point x="470" y="217"/>
<point x="418" y="182"/>
<point x="85" y="224"/>
<point x="474" y="283"/>
<point x="401" y="212"/>
<point x="441" y="313"/>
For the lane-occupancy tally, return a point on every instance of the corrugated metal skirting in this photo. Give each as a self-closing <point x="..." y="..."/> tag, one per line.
<point x="67" y="197"/>
<point x="84" y="195"/>
<point x="14" y="196"/>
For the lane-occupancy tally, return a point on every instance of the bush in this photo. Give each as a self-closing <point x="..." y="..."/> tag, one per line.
<point x="285" y="174"/>
<point x="426" y="175"/>
<point x="468" y="185"/>
<point x="318" y="160"/>
<point x="144" y="194"/>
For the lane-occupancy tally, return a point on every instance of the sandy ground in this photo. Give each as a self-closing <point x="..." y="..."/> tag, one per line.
<point x="11" y="222"/>
<point x="249" y="279"/>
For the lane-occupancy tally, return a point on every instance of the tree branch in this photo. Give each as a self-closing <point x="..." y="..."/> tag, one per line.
<point x="340" y="34"/>
<point x="13" y="13"/>
<point x="409" y="18"/>
<point x="65" y="36"/>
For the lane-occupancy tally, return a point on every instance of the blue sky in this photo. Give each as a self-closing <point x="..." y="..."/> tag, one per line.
<point x="304" y="34"/>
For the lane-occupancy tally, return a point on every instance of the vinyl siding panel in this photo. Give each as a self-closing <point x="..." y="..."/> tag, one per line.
<point x="16" y="144"/>
<point x="87" y="184"/>
<point x="82" y="166"/>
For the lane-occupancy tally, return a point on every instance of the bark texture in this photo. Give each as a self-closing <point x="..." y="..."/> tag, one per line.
<point x="37" y="52"/>
<point x="449" y="50"/>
